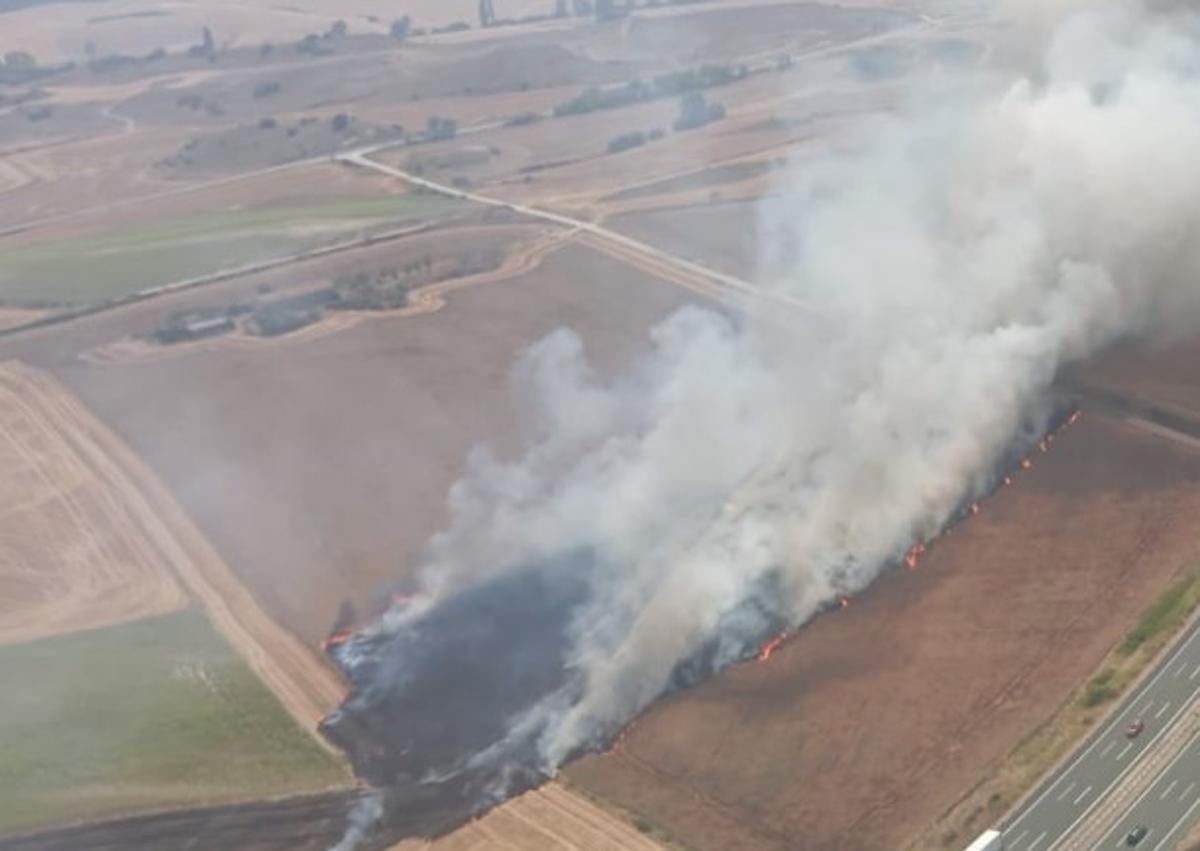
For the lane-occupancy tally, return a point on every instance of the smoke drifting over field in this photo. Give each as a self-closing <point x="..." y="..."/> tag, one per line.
<point x="745" y="474"/>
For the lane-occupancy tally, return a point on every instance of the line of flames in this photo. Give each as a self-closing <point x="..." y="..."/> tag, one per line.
<point x="912" y="558"/>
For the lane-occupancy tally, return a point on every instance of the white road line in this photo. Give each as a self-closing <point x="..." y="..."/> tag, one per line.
<point x="1082" y="795"/>
<point x="1033" y="845"/>
<point x="1165" y="772"/>
<point x="1013" y="845"/>
<point x="1124" y="751"/>
<point x="1160" y="712"/>
<point x="1146" y="708"/>
<point x="1116" y="720"/>
<point x="1108" y="748"/>
<point x="1179" y="671"/>
<point x="1195" y="673"/>
<point x="1187" y="791"/>
<point x="1182" y="820"/>
<point x="1066" y="791"/>
<point x="1170" y="788"/>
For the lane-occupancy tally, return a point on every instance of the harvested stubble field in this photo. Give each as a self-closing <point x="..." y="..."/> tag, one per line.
<point x="72" y="558"/>
<point x="875" y="719"/>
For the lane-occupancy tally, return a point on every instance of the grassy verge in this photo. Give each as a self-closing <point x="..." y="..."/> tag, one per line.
<point x="1042" y="749"/>
<point x="95" y="268"/>
<point x="155" y="714"/>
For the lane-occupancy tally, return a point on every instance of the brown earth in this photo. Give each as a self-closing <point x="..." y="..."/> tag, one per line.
<point x="72" y="557"/>
<point x="874" y="719"/>
<point x="1165" y="377"/>
<point x="552" y="818"/>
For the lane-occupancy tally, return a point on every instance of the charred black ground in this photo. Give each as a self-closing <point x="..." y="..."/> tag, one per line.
<point x="436" y="695"/>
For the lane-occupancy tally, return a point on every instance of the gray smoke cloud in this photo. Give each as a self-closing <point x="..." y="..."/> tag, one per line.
<point x="364" y="815"/>
<point x="954" y="264"/>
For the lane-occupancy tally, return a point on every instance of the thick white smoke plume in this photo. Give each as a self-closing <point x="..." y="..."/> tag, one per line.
<point x="953" y="266"/>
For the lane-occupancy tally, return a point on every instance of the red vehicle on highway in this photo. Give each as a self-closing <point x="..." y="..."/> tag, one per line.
<point x="1135" y="726"/>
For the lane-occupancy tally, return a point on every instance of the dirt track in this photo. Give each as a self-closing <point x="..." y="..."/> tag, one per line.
<point x="131" y="577"/>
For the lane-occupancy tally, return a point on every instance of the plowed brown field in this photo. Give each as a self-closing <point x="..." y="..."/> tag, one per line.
<point x="875" y="719"/>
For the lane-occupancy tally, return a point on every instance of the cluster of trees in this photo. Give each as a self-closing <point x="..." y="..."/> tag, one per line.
<point x="523" y="118"/>
<point x="438" y="128"/>
<point x="663" y="85"/>
<point x="266" y="89"/>
<point x="696" y="111"/>
<point x="627" y="141"/>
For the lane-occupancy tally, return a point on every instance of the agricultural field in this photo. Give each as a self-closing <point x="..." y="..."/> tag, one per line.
<point x="104" y="266"/>
<point x="973" y="648"/>
<point x="184" y="520"/>
<point x="166" y="716"/>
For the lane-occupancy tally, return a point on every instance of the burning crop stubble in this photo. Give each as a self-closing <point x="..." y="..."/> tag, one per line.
<point x="664" y="524"/>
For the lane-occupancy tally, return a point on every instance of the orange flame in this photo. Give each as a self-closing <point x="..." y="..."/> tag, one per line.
<point x="913" y="557"/>
<point x="334" y="640"/>
<point x="1026" y="464"/>
<point x="845" y="602"/>
<point x="768" y="649"/>
<point x="1074" y="418"/>
<point x="974" y="508"/>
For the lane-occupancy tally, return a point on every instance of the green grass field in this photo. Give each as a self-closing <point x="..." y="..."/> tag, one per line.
<point x="111" y="264"/>
<point x="155" y="714"/>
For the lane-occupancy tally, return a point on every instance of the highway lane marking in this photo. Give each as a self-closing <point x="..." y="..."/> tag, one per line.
<point x="1124" y="751"/>
<point x="1033" y="845"/>
<point x="1162" y="774"/>
<point x="1195" y="673"/>
<point x="1082" y="795"/>
<point x="1183" y="820"/>
<point x="1146" y="708"/>
<point x="1179" y="671"/>
<point x="1116" y="720"/>
<point x="1108" y="748"/>
<point x="1017" y="841"/>
<point x="1187" y="791"/>
<point x="1066" y="791"/>
<point x="1170" y="788"/>
<point x="1160" y="712"/>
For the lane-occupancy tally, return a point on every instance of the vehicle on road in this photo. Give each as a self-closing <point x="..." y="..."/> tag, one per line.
<point x="989" y="840"/>
<point x="1135" y="726"/>
<point x="1136" y="835"/>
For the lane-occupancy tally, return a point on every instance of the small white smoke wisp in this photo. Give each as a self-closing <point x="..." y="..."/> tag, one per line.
<point x="363" y="816"/>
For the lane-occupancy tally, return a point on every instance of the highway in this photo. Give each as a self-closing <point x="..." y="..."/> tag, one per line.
<point x="1168" y="808"/>
<point x="1087" y="784"/>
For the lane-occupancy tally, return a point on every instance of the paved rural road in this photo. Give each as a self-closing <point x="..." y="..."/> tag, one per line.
<point x="1172" y="803"/>
<point x="727" y="284"/>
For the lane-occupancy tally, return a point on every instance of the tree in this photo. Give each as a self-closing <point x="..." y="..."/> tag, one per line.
<point x="209" y="43"/>
<point x="19" y="60"/>
<point x="695" y="111"/>
<point x="401" y="28"/>
<point x="441" y="128"/>
<point x="341" y="122"/>
<point x="560" y="9"/>
<point x="338" y="30"/>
